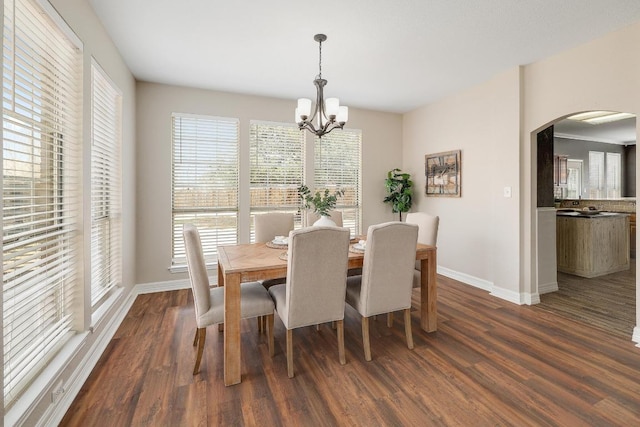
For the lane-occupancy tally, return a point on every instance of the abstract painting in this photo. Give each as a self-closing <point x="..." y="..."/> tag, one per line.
<point x="443" y="174"/>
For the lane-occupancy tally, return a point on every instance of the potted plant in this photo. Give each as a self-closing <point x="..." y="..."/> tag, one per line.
<point x="399" y="186"/>
<point x="321" y="202"/>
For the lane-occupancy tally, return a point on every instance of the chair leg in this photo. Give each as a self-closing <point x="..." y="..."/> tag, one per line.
<point x="259" y="319"/>
<point x="202" y="334"/>
<point x="407" y="327"/>
<point x="340" y="334"/>
<point x="195" y="338"/>
<point x="290" y="353"/>
<point x="317" y="326"/>
<point x="365" y="339"/>
<point x="389" y="320"/>
<point x="270" y="333"/>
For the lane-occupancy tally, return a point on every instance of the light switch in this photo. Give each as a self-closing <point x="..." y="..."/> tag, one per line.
<point x="507" y="191"/>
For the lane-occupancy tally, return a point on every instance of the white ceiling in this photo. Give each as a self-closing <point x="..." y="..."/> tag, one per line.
<point x="383" y="55"/>
<point x="622" y="132"/>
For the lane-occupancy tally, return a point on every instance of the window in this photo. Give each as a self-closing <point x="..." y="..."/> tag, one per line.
<point x="596" y="175"/>
<point x="614" y="165"/>
<point x="204" y="182"/>
<point x="277" y="169"/>
<point x="106" y="229"/>
<point x="42" y="95"/>
<point x="337" y="164"/>
<point x="605" y="178"/>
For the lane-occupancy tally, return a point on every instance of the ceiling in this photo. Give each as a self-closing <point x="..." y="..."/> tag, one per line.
<point x="622" y="132"/>
<point x="387" y="55"/>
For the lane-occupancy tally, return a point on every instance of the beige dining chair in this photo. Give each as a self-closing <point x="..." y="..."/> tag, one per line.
<point x="269" y="225"/>
<point x="209" y="302"/>
<point x="336" y="216"/>
<point x="315" y="288"/>
<point x="385" y="285"/>
<point x="427" y="235"/>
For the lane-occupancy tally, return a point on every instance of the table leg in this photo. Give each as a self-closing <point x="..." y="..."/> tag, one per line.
<point x="428" y="294"/>
<point x="232" y="329"/>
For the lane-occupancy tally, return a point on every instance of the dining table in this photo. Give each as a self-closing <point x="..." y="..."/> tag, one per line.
<point x="261" y="261"/>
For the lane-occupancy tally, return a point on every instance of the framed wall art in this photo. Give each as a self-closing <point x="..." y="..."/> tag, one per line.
<point x="443" y="174"/>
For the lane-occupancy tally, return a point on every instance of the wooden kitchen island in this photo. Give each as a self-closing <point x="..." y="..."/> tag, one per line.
<point x="592" y="245"/>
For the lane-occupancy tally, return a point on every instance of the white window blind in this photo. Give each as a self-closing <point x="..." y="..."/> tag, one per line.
<point x="204" y="182"/>
<point x="614" y="178"/>
<point x="106" y="213"/>
<point x="42" y="84"/>
<point x="338" y="164"/>
<point x="596" y="175"/>
<point x="277" y="169"/>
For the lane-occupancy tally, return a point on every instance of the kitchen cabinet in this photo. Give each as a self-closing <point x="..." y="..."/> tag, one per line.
<point x="560" y="170"/>
<point x="592" y="245"/>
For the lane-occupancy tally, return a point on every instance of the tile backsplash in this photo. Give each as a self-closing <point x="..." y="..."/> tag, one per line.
<point x="626" y="205"/>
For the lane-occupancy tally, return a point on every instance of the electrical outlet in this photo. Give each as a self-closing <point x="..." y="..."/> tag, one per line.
<point x="57" y="392"/>
<point x="507" y="191"/>
<point x="575" y="203"/>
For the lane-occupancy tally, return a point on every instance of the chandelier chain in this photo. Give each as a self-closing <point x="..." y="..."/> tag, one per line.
<point x="320" y="62"/>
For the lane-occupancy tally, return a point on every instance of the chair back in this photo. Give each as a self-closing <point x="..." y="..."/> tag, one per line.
<point x="269" y="225"/>
<point x="316" y="276"/>
<point x="428" y="226"/>
<point x="336" y="216"/>
<point x="197" y="270"/>
<point x="387" y="272"/>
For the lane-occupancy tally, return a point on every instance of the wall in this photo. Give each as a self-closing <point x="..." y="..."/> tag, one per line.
<point x="600" y="75"/>
<point x="485" y="239"/>
<point x="478" y="237"/>
<point x="381" y="139"/>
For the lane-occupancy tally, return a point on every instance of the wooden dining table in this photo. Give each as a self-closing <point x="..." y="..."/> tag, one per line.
<point x="257" y="261"/>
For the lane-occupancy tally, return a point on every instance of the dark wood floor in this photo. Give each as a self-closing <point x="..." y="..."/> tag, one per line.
<point x="490" y="363"/>
<point x="606" y="302"/>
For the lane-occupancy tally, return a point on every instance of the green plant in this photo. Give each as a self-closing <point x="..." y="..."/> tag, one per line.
<point x="399" y="186"/>
<point x="321" y="202"/>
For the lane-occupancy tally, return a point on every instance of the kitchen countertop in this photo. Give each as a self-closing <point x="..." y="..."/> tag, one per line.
<point x="582" y="214"/>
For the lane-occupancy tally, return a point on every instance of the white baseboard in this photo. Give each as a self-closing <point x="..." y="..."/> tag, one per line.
<point x="173" y="285"/>
<point x="466" y="278"/>
<point x="636" y="336"/>
<point x="547" y="288"/>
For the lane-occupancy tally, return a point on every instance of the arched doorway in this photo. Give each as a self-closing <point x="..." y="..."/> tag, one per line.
<point x="584" y="139"/>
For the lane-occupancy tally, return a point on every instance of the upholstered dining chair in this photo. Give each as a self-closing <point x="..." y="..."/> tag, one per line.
<point x="336" y="216"/>
<point x="315" y="288"/>
<point x="269" y="225"/>
<point x="209" y="302"/>
<point x="427" y="235"/>
<point x="387" y="274"/>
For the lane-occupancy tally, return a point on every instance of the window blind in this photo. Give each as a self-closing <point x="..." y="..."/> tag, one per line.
<point x="106" y="213"/>
<point x="277" y="169"/>
<point x="338" y="164"/>
<point x="204" y="182"/>
<point x="41" y="96"/>
<point x="614" y="178"/>
<point x="596" y="175"/>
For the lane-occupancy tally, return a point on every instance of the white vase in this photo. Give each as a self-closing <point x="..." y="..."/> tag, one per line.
<point x="324" y="221"/>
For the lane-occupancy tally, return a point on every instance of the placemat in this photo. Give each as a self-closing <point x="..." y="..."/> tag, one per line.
<point x="276" y="246"/>
<point x="355" y="250"/>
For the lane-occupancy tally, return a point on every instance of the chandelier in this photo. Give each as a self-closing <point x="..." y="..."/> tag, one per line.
<point x="330" y="115"/>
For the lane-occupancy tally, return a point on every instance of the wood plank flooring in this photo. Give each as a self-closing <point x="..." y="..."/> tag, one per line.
<point x="491" y="363"/>
<point x="606" y="302"/>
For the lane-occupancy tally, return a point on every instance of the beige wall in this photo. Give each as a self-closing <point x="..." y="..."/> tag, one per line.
<point x="601" y="75"/>
<point x="381" y="142"/>
<point x="486" y="239"/>
<point x="479" y="230"/>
